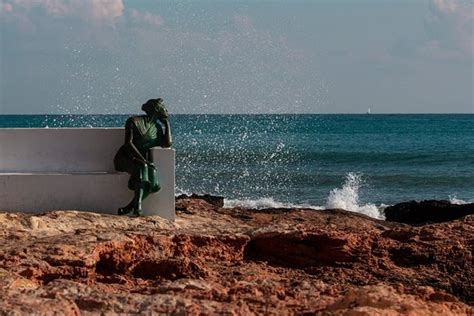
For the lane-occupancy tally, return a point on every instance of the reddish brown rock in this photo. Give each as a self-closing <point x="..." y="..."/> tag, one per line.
<point x="234" y="261"/>
<point x="217" y="201"/>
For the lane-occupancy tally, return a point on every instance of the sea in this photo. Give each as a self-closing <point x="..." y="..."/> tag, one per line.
<point x="361" y="163"/>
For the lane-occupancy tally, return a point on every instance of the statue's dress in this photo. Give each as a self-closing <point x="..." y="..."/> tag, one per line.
<point x="147" y="133"/>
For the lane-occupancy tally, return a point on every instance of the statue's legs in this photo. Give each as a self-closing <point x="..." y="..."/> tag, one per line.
<point x="135" y="204"/>
<point x="142" y="194"/>
<point x="138" y="201"/>
<point x="142" y="189"/>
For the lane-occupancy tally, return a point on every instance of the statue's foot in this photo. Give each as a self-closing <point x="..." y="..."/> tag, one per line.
<point x="124" y="210"/>
<point x="138" y="212"/>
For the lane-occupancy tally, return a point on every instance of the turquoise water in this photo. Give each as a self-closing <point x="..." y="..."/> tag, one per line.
<point x="352" y="161"/>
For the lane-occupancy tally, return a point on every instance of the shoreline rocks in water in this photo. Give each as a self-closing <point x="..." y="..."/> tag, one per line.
<point x="213" y="260"/>
<point x="430" y="211"/>
<point x="211" y="199"/>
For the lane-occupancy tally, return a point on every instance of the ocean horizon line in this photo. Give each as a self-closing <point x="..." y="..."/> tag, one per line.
<point x="238" y="114"/>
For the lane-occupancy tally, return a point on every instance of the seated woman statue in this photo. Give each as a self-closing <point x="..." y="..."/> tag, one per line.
<point x="142" y="133"/>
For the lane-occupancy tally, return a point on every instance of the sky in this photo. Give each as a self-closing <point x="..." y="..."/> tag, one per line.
<point x="230" y="56"/>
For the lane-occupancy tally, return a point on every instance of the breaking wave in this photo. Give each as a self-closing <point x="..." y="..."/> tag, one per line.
<point x="346" y="198"/>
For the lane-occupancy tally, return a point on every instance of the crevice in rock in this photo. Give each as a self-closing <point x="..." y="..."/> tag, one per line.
<point x="170" y="269"/>
<point x="119" y="257"/>
<point x="295" y="251"/>
<point x="409" y="257"/>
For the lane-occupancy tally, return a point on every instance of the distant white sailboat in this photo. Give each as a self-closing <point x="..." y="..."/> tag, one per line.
<point x="368" y="111"/>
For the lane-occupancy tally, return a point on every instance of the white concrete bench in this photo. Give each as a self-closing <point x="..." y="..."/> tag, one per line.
<point x="44" y="169"/>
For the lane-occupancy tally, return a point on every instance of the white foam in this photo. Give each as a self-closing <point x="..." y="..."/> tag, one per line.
<point x="178" y="191"/>
<point x="454" y="200"/>
<point x="265" y="203"/>
<point x="347" y="198"/>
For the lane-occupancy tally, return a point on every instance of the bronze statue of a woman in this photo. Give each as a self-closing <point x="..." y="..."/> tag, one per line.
<point x="142" y="133"/>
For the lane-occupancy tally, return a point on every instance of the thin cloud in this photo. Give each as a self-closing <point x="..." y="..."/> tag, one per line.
<point x="6" y="7"/>
<point x="105" y="9"/>
<point x="146" y="17"/>
<point x="98" y="10"/>
<point x="446" y="6"/>
<point x="243" y="22"/>
<point x="450" y="25"/>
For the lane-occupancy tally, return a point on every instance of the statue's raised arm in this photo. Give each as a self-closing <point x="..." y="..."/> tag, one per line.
<point x="142" y="133"/>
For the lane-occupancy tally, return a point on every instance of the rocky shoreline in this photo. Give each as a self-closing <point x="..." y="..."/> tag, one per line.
<point x="213" y="260"/>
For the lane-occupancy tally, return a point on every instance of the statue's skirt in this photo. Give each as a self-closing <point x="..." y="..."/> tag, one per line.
<point x="143" y="176"/>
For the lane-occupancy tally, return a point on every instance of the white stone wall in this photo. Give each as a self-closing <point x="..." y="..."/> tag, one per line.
<point x="72" y="168"/>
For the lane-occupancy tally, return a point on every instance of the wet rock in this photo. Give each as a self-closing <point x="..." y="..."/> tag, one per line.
<point x="214" y="200"/>
<point x="430" y="211"/>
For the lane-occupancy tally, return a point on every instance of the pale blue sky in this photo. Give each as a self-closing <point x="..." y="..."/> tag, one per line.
<point x="338" y="56"/>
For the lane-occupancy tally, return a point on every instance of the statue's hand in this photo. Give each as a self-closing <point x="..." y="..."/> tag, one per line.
<point x="140" y="161"/>
<point x="163" y="120"/>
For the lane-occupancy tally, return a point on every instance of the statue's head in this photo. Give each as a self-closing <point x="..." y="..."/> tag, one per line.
<point x="155" y="108"/>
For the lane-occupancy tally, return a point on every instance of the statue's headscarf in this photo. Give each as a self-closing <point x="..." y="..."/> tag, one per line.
<point x="156" y="106"/>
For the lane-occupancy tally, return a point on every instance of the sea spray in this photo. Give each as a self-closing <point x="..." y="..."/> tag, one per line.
<point x="454" y="200"/>
<point x="263" y="203"/>
<point x="347" y="198"/>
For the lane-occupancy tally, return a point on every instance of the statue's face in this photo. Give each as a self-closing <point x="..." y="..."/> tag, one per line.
<point x="159" y="111"/>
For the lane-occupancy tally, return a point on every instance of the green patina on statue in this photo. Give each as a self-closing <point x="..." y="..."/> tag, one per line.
<point x="142" y="133"/>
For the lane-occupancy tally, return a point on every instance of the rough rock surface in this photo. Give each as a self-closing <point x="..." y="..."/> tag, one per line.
<point x="430" y="211"/>
<point x="234" y="262"/>
<point x="211" y="199"/>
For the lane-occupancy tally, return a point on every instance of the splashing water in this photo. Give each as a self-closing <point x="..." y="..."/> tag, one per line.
<point x="265" y="203"/>
<point x="454" y="200"/>
<point x="347" y="198"/>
